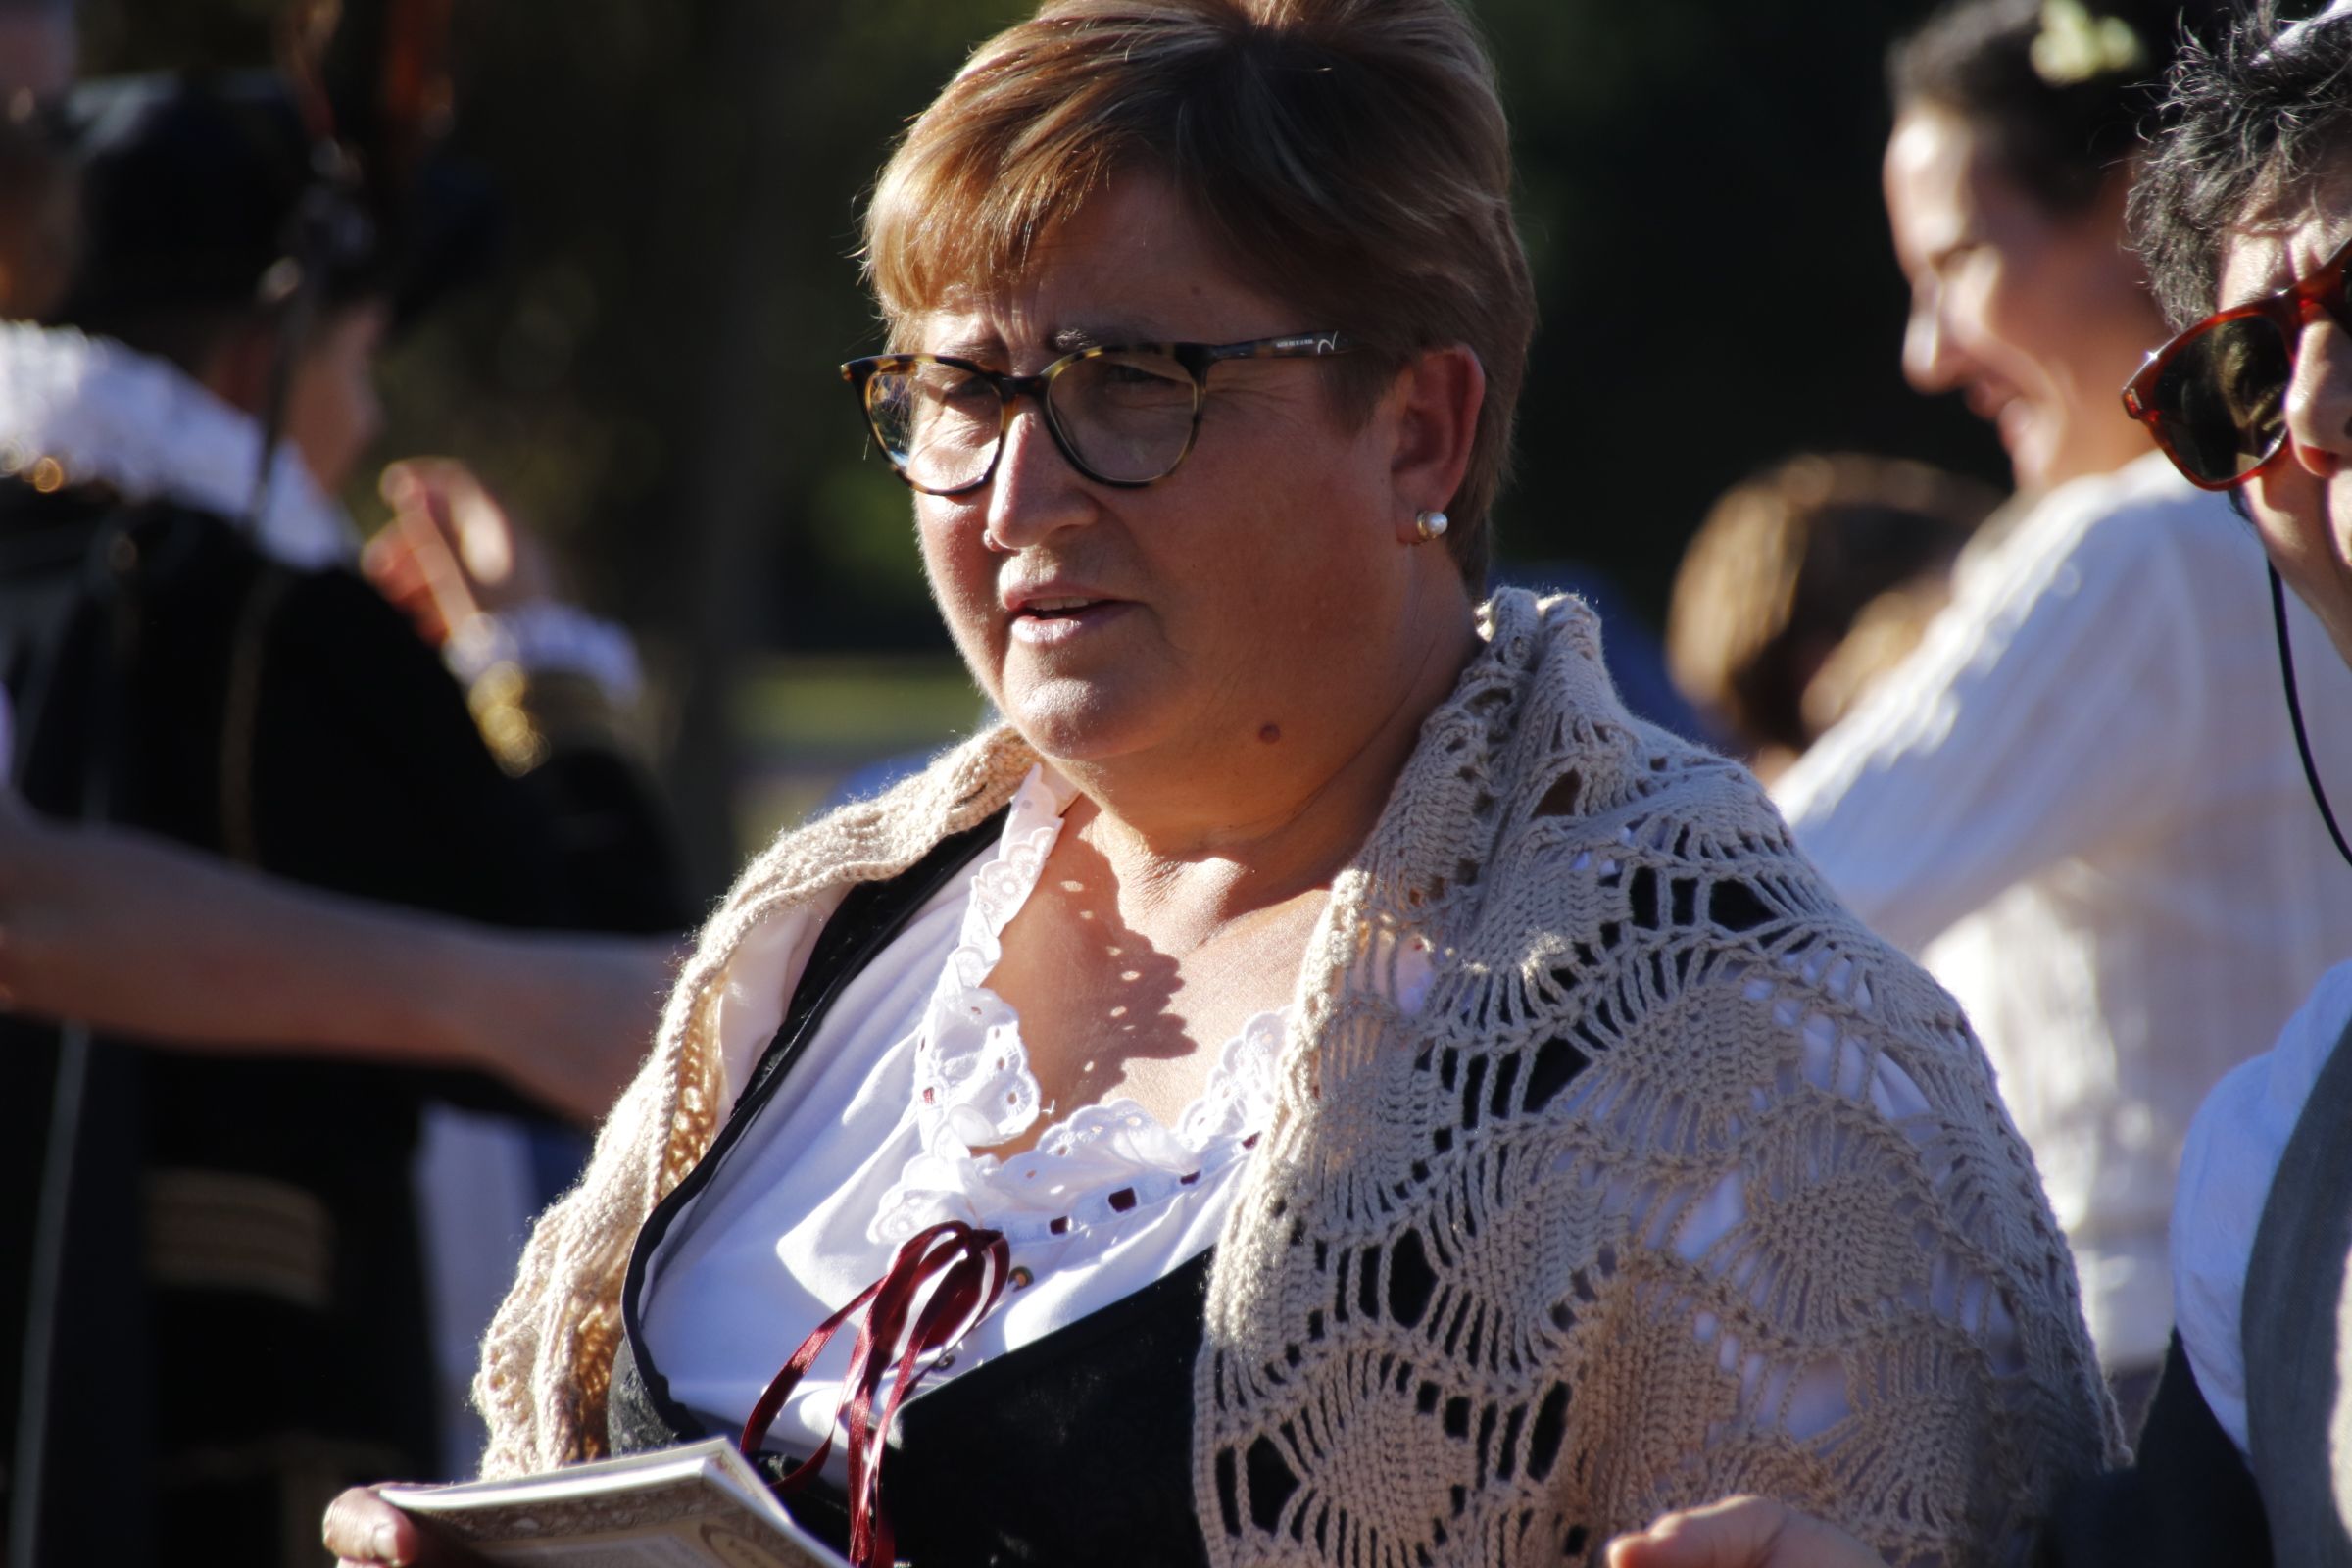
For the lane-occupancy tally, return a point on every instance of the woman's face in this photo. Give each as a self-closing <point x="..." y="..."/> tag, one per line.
<point x="2038" y="318"/>
<point x="332" y="414"/>
<point x="2302" y="503"/>
<point x="1260" y="594"/>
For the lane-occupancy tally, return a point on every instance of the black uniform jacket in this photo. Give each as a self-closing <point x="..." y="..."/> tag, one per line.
<point x="239" y="1326"/>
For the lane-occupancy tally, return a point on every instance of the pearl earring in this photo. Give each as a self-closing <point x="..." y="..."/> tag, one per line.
<point x="1428" y="525"/>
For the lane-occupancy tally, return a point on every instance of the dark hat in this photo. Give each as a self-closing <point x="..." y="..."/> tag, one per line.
<point x="205" y="192"/>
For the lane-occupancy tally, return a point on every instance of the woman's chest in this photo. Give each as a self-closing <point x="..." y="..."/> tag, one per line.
<point x="1114" y="1007"/>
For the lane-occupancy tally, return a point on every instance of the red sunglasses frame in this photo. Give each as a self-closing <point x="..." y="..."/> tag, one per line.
<point x="2289" y="310"/>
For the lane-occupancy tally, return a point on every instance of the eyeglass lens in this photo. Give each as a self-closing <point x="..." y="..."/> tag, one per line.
<point x="1125" y="417"/>
<point x="2222" y="401"/>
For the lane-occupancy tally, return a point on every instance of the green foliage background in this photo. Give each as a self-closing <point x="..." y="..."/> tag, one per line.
<point x="648" y="372"/>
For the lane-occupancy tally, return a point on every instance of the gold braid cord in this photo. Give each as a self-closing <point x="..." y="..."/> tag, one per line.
<point x="1676" y="1182"/>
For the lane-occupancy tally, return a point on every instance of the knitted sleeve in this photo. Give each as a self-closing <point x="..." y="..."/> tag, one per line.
<point x="1835" y="1280"/>
<point x="1681" y="1183"/>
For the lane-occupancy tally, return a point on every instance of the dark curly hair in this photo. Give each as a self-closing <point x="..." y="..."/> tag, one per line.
<point x="2250" y="124"/>
<point x="2060" y="126"/>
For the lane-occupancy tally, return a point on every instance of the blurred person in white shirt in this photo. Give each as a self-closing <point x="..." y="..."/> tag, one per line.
<point x="2080" y="802"/>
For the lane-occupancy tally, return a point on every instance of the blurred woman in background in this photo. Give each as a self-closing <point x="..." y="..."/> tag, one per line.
<point x="2081" y="802"/>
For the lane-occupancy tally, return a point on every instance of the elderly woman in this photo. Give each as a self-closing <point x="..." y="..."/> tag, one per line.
<point x="1414" y="1112"/>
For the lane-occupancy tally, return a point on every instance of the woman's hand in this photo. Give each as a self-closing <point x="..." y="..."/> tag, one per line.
<point x="363" y="1530"/>
<point x="451" y="550"/>
<point x="1741" y="1532"/>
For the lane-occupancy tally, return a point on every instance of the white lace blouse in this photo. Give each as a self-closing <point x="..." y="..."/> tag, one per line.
<point x="916" y="1065"/>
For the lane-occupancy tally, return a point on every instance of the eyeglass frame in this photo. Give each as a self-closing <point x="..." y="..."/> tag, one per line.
<point x="1195" y="358"/>
<point x="2290" y="310"/>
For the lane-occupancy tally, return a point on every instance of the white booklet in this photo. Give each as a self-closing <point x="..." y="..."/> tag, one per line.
<point x="699" y="1506"/>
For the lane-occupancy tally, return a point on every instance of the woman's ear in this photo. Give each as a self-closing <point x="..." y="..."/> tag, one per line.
<point x="1436" y="401"/>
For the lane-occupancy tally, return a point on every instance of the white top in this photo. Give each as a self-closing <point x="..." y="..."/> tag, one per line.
<point x="2080" y="803"/>
<point x="2234" y="1147"/>
<point x="915" y="1065"/>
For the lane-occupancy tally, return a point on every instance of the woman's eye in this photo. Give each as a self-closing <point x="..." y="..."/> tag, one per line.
<point x="1137" y="378"/>
<point x="1950" y="262"/>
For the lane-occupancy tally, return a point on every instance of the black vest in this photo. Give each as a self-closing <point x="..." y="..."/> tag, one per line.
<point x="2293" y="1329"/>
<point x="1074" y="1449"/>
<point x="2189" y="1499"/>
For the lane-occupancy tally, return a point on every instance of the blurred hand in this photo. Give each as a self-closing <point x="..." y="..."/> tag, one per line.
<point x="564" y="1018"/>
<point x="363" y="1530"/>
<point x="67" y="913"/>
<point x="1741" y="1532"/>
<point x="451" y="550"/>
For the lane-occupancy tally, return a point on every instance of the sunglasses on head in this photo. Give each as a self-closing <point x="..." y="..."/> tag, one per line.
<point x="2215" y="397"/>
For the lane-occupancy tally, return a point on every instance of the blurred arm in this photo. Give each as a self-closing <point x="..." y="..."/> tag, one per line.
<point x="139" y="937"/>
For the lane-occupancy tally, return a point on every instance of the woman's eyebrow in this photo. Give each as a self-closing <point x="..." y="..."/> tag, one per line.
<point x="1070" y="339"/>
<point x="978" y="346"/>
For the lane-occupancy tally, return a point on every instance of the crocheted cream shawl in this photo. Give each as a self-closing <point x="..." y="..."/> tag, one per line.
<point x="1678" y="1183"/>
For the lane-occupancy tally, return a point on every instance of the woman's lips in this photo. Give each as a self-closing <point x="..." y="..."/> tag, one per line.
<point x="1056" y="622"/>
<point x="2013" y="422"/>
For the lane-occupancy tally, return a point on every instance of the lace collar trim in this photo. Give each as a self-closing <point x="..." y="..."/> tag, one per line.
<point x="973" y="1087"/>
<point x="77" y="410"/>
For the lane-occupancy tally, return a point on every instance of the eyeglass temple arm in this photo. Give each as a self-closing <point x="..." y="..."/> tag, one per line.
<point x="1300" y="346"/>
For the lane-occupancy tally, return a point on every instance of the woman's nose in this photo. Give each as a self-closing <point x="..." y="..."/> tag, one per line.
<point x="2318" y="400"/>
<point x="1931" y="362"/>
<point x="1034" y="491"/>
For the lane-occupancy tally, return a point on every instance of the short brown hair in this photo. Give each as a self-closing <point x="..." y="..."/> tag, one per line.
<point x="1348" y="156"/>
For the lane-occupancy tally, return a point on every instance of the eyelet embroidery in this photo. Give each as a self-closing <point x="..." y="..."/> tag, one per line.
<point x="973" y="1089"/>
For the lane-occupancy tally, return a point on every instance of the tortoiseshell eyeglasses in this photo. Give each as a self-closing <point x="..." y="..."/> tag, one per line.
<point x="1123" y="415"/>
